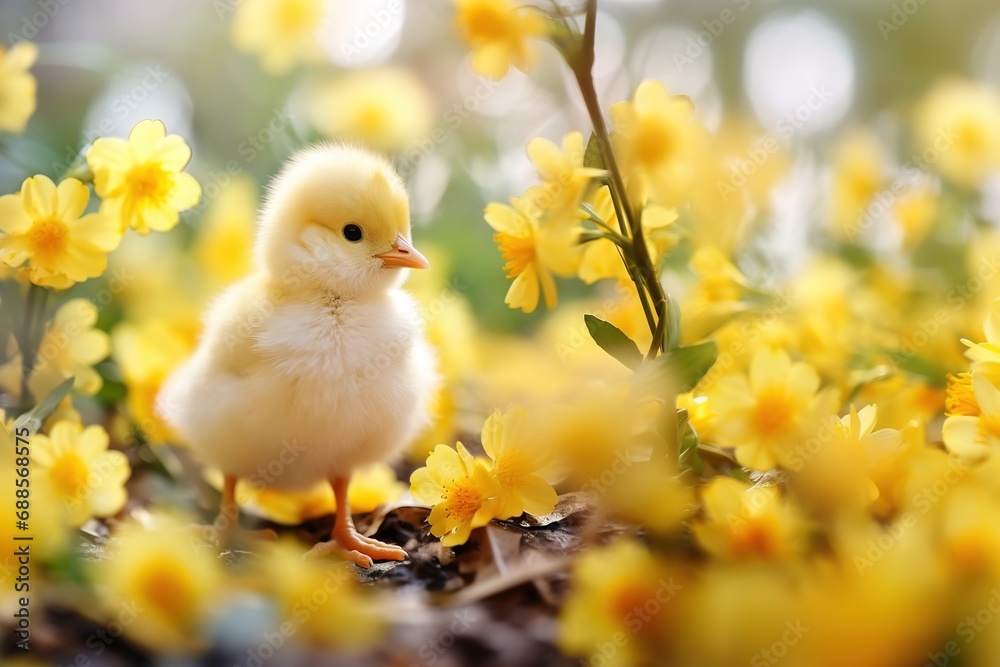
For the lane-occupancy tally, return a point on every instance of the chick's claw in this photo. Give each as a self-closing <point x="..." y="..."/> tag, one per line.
<point x="358" y="549"/>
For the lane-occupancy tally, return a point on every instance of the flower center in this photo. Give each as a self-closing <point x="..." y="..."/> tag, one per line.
<point x="48" y="239"/>
<point x="295" y="16"/>
<point x="969" y="136"/>
<point x="483" y="23"/>
<point x="773" y="412"/>
<point x="518" y="251"/>
<point x="960" y="399"/>
<point x="149" y="182"/>
<point x="753" y="539"/>
<point x="372" y="120"/>
<point x="167" y="588"/>
<point x="463" y="500"/>
<point x="654" y="141"/>
<point x="69" y="475"/>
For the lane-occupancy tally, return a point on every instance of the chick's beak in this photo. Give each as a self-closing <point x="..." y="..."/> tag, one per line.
<point x="402" y="254"/>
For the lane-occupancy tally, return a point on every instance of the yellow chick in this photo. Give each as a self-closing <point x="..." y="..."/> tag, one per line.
<point x="316" y="364"/>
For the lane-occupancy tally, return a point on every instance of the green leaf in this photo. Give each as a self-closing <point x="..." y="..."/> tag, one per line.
<point x="592" y="156"/>
<point x="918" y="365"/>
<point x="688" y="364"/>
<point x="33" y="418"/>
<point x="613" y="341"/>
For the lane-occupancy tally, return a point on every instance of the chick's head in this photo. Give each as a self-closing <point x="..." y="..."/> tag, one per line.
<point x="337" y="218"/>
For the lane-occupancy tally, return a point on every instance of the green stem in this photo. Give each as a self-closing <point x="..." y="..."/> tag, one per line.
<point x="642" y="271"/>
<point x="32" y="332"/>
<point x="630" y="223"/>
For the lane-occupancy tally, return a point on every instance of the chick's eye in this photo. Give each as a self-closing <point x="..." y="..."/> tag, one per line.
<point x="352" y="233"/>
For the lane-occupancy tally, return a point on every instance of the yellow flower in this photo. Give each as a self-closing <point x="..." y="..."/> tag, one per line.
<point x="460" y="490"/>
<point x="765" y="414"/>
<point x="985" y="357"/>
<point x="958" y="123"/>
<point x="833" y="474"/>
<point x="744" y="522"/>
<point x="564" y="178"/>
<point x="975" y="437"/>
<point x="141" y="180"/>
<point x="516" y="462"/>
<point x="961" y="398"/>
<point x="648" y="494"/>
<point x="659" y="139"/>
<point x="715" y="298"/>
<point x="281" y="32"/>
<point x="518" y="237"/>
<point x="146" y="354"/>
<point x="320" y="599"/>
<point x="70" y="348"/>
<point x="74" y="465"/>
<point x="42" y="224"/>
<point x="17" y="86"/>
<point x="165" y="572"/>
<point x="499" y="34"/>
<point x="621" y="598"/>
<point x="387" y="108"/>
<point x="224" y="247"/>
<point x="915" y="213"/>
<point x="47" y="523"/>
<point x="602" y="258"/>
<point x="858" y="165"/>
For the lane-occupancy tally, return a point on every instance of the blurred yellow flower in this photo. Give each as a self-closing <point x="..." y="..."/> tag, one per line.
<point x="164" y="571"/>
<point x="74" y="465"/>
<point x="517" y="237"/>
<point x="659" y="138"/>
<point x="564" y="178"/>
<point x="224" y="247"/>
<point x="915" y="213"/>
<point x="621" y="599"/>
<point x="42" y="224"/>
<point x="17" y="86"/>
<point x="858" y="165"/>
<point x="459" y="489"/>
<point x="516" y="462"/>
<point x="320" y="599"/>
<point x="743" y="522"/>
<point x="716" y="295"/>
<point x="48" y="521"/>
<point x="975" y="437"/>
<point x="370" y="487"/>
<point x="771" y="410"/>
<point x="650" y="495"/>
<point x="957" y="128"/>
<point x="499" y="32"/>
<point x="282" y="33"/>
<point x="387" y="108"/>
<point x="70" y="347"/>
<point x="146" y="354"/>
<point x="141" y="180"/>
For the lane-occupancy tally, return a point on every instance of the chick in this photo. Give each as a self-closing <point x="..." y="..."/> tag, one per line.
<point x="315" y="364"/>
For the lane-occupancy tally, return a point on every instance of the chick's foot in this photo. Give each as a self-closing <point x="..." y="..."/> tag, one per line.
<point x="357" y="548"/>
<point x="346" y="540"/>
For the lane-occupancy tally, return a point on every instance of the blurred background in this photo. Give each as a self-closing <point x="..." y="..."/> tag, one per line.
<point x="459" y="139"/>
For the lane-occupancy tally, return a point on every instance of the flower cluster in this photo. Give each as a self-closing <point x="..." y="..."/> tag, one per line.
<point x="466" y="492"/>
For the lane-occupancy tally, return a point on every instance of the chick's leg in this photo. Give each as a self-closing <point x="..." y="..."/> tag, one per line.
<point x="347" y="541"/>
<point x="225" y="530"/>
